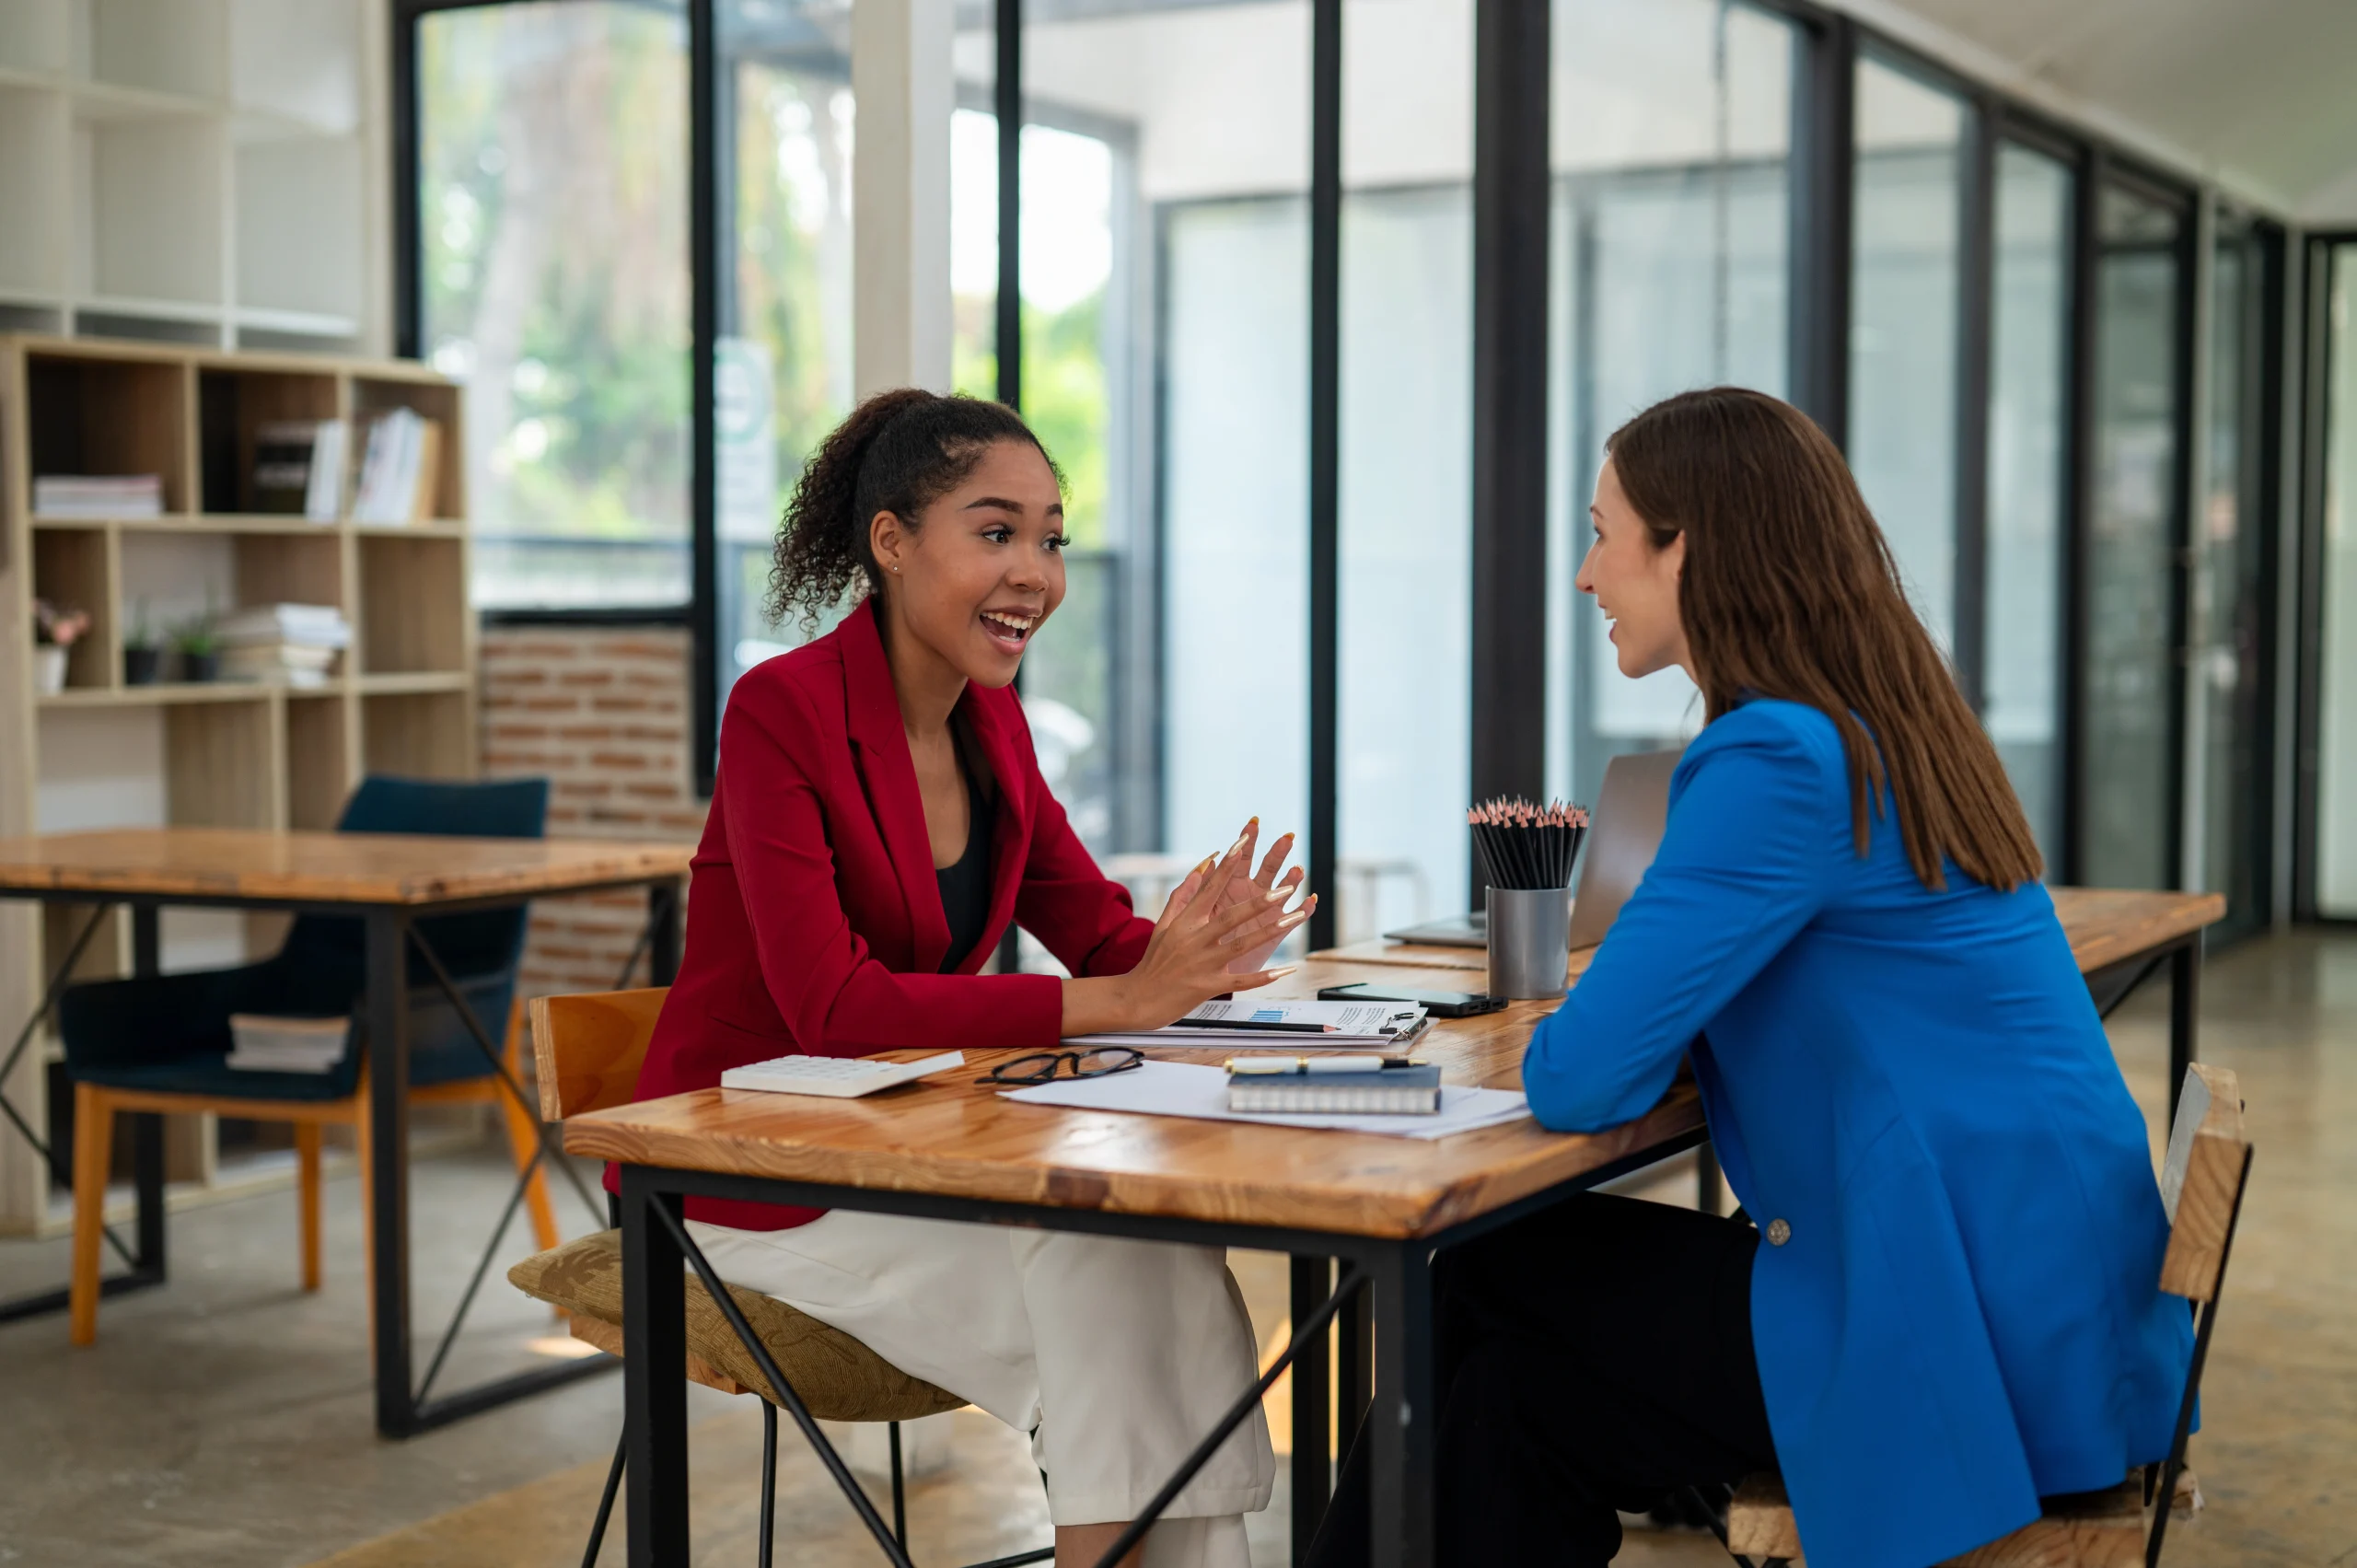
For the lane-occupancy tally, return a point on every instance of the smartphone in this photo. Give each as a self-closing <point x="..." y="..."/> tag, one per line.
<point x="1439" y="1003"/>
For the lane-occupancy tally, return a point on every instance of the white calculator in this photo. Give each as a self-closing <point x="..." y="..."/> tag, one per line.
<point x="838" y="1077"/>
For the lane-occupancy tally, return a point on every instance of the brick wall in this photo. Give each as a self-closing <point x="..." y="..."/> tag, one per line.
<point x="603" y="714"/>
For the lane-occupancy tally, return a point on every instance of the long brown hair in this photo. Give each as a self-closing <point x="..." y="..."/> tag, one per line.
<point x="1790" y="590"/>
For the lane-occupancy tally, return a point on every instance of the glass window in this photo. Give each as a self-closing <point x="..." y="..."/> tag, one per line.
<point x="2231" y="611"/>
<point x="2128" y="752"/>
<point x="2029" y="423"/>
<point x="1903" y="318"/>
<point x="2335" y="830"/>
<point x="552" y="198"/>
<point x="783" y="369"/>
<point x="1165" y="277"/>
<point x="1406" y="492"/>
<point x="1671" y="129"/>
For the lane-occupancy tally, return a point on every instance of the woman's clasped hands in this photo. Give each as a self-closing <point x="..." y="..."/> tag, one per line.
<point x="1223" y="923"/>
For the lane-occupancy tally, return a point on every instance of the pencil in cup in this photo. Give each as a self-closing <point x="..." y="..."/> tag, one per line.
<point x="1525" y="846"/>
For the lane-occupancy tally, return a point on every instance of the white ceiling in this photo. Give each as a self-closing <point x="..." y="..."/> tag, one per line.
<point x="2259" y="95"/>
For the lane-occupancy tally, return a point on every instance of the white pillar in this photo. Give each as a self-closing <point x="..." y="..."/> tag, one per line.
<point x="902" y="84"/>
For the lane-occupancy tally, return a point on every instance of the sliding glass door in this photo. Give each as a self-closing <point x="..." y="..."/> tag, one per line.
<point x="2128" y="687"/>
<point x="2335" y="788"/>
<point x="2233" y="610"/>
<point x="2029" y="384"/>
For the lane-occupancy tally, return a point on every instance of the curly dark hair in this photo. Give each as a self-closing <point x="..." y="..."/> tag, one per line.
<point x="898" y="452"/>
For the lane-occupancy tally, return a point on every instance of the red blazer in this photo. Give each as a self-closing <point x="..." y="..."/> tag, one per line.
<point x="815" y="924"/>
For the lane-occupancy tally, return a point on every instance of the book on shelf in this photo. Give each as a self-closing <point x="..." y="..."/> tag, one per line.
<point x="288" y="644"/>
<point x="399" y="466"/>
<point x="299" y="468"/>
<point x="263" y="1044"/>
<point x="310" y="625"/>
<point x="99" y="496"/>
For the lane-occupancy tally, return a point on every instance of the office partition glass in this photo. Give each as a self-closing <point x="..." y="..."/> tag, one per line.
<point x="1165" y="160"/>
<point x="2029" y="418"/>
<point x="2127" y="771"/>
<point x="782" y="368"/>
<point x="2336" y="667"/>
<point x="1406" y="484"/>
<point x="1671" y="126"/>
<point x="2230" y="619"/>
<point x="1906" y="211"/>
<point x="552" y="203"/>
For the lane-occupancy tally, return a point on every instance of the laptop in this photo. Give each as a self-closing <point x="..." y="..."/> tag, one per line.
<point x="1624" y="831"/>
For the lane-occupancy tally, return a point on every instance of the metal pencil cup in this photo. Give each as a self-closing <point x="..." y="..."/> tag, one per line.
<point x="1531" y="942"/>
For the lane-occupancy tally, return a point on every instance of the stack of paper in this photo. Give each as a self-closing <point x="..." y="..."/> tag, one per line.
<point x="1283" y="1024"/>
<point x="99" y="496"/>
<point x="292" y="644"/>
<point x="286" y="1045"/>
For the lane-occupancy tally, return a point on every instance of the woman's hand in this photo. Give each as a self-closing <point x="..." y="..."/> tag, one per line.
<point x="1259" y="940"/>
<point x="1194" y="952"/>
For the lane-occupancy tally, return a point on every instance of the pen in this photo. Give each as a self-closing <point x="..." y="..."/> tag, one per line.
<point x="1270" y="1024"/>
<point x="1295" y="1066"/>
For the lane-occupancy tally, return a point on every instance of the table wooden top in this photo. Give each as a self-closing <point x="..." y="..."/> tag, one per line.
<point x="408" y="869"/>
<point x="952" y="1137"/>
<point x="2105" y="925"/>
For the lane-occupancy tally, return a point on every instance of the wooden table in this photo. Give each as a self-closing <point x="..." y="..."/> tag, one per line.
<point x="1381" y="1206"/>
<point x="388" y="881"/>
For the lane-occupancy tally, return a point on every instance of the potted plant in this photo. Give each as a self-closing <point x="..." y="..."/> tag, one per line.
<point x="199" y="646"/>
<point x="141" y="651"/>
<point x="55" y="629"/>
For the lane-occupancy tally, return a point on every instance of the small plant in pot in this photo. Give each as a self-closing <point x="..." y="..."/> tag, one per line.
<point x="199" y="646"/>
<point x="142" y="654"/>
<point x="55" y="630"/>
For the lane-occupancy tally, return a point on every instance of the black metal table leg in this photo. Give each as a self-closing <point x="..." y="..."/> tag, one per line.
<point x="2185" y="1008"/>
<point x="147" y="1127"/>
<point x="1405" y="1413"/>
<point x="663" y="926"/>
<point x="1706" y="1179"/>
<point x="385" y="1014"/>
<point x="655" y="1394"/>
<point x="1354" y="1366"/>
<point x="1313" y="1481"/>
<point x="146" y="1254"/>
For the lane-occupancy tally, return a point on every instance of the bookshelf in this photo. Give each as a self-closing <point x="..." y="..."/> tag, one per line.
<point x="199" y="171"/>
<point x="102" y="753"/>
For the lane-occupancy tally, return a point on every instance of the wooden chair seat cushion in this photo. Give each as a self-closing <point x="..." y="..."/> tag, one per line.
<point x="2084" y="1529"/>
<point x="837" y="1377"/>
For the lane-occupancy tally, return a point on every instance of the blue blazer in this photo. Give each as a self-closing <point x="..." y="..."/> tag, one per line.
<point x="1964" y="1311"/>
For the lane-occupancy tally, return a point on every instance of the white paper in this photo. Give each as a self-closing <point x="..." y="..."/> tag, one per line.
<point x="1354" y="1025"/>
<point x="1180" y="1089"/>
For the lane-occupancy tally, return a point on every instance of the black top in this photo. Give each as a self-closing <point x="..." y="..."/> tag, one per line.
<point x="965" y="887"/>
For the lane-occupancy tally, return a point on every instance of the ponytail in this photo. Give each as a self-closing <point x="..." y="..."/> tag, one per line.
<point x="898" y="452"/>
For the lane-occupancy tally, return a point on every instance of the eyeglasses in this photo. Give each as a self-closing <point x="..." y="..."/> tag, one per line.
<point x="1043" y="1066"/>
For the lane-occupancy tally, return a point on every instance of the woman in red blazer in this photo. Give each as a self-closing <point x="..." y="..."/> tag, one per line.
<point x="877" y="820"/>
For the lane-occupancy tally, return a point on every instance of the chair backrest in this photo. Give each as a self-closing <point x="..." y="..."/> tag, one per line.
<point x="587" y="1048"/>
<point x="2203" y="1180"/>
<point x="324" y="951"/>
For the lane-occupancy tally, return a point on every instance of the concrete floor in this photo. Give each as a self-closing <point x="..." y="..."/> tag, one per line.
<point x="224" y="1419"/>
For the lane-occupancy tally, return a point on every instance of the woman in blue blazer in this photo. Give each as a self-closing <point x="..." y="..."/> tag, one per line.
<point x="1949" y="1307"/>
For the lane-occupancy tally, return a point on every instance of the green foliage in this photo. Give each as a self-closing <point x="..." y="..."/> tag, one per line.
<point x="1065" y="397"/>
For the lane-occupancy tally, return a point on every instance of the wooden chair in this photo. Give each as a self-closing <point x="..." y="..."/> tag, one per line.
<point x="2202" y="1185"/>
<point x="95" y="1106"/>
<point x="588" y="1049"/>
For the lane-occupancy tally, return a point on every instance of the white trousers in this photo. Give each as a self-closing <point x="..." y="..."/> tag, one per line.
<point x="1117" y="1356"/>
